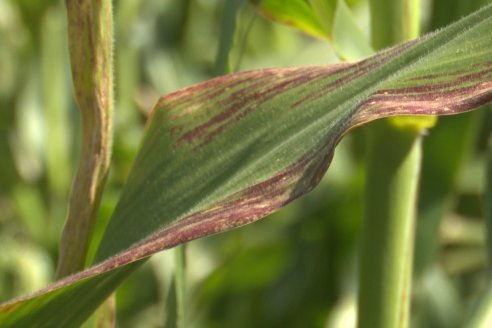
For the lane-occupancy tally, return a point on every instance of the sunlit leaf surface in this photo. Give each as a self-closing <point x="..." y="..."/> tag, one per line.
<point x="324" y="19"/>
<point x="295" y="13"/>
<point x="231" y="150"/>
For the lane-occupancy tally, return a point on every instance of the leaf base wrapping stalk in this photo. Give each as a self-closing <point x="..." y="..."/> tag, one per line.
<point x="90" y="39"/>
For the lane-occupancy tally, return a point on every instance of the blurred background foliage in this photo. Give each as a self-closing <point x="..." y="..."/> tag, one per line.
<point x="295" y="269"/>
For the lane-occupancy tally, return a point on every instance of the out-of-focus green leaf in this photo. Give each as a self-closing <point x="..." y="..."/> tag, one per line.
<point x="348" y="39"/>
<point x="446" y="11"/>
<point x="231" y="150"/>
<point x="228" y="27"/>
<point x="445" y="151"/>
<point x="296" y="13"/>
<point x="481" y="316"/>
<point x="326" y="19"/>
<point x="452" y="140"/>
<point x="325" y="11"/>
<point x="54" y="74"/>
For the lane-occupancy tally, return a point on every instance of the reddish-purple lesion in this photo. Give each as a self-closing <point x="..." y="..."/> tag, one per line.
<point x="240" y="208"/>
<point x="243" y="207"/>
<point x="424" y="101"/>
<point x="451" y="82"/>
<point x="238" y="104"/>
<point x="247" y="205"/>
<point x="200" y="113"/>
<point x="337" y="72"/>
<point x="345" y="72"/>
<point x="441" y="92"/>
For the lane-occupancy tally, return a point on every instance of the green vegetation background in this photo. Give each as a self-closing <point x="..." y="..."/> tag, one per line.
<point x="296" y="268"/>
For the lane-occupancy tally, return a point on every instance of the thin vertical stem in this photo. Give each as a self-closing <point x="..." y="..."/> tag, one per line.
<point x="90" y="37"/>
<point x="394" y="21"/>
<point x="176" y="303"/>
<point x="180" y="285"/>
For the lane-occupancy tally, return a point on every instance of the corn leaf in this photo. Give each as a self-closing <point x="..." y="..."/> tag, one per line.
<point x="296" y="13"/>
<point x="324" y="19"/>
<point x="231" y="150"/>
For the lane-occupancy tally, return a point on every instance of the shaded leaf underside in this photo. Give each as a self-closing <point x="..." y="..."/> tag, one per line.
<point x="231" y="150"/>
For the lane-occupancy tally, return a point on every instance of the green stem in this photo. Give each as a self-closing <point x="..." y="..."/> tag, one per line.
<point x="393" y="167"/>
<point x="180" y="285"/>
<point x="105" y="316"/>
<point x="176" y="302"/>
<point x="394" y="21"/>
<point x="90" y="37"/>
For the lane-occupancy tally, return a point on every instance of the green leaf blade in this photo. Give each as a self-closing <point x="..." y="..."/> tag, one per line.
<point x="296" y="13"/>
<point x="231" y="150"/>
